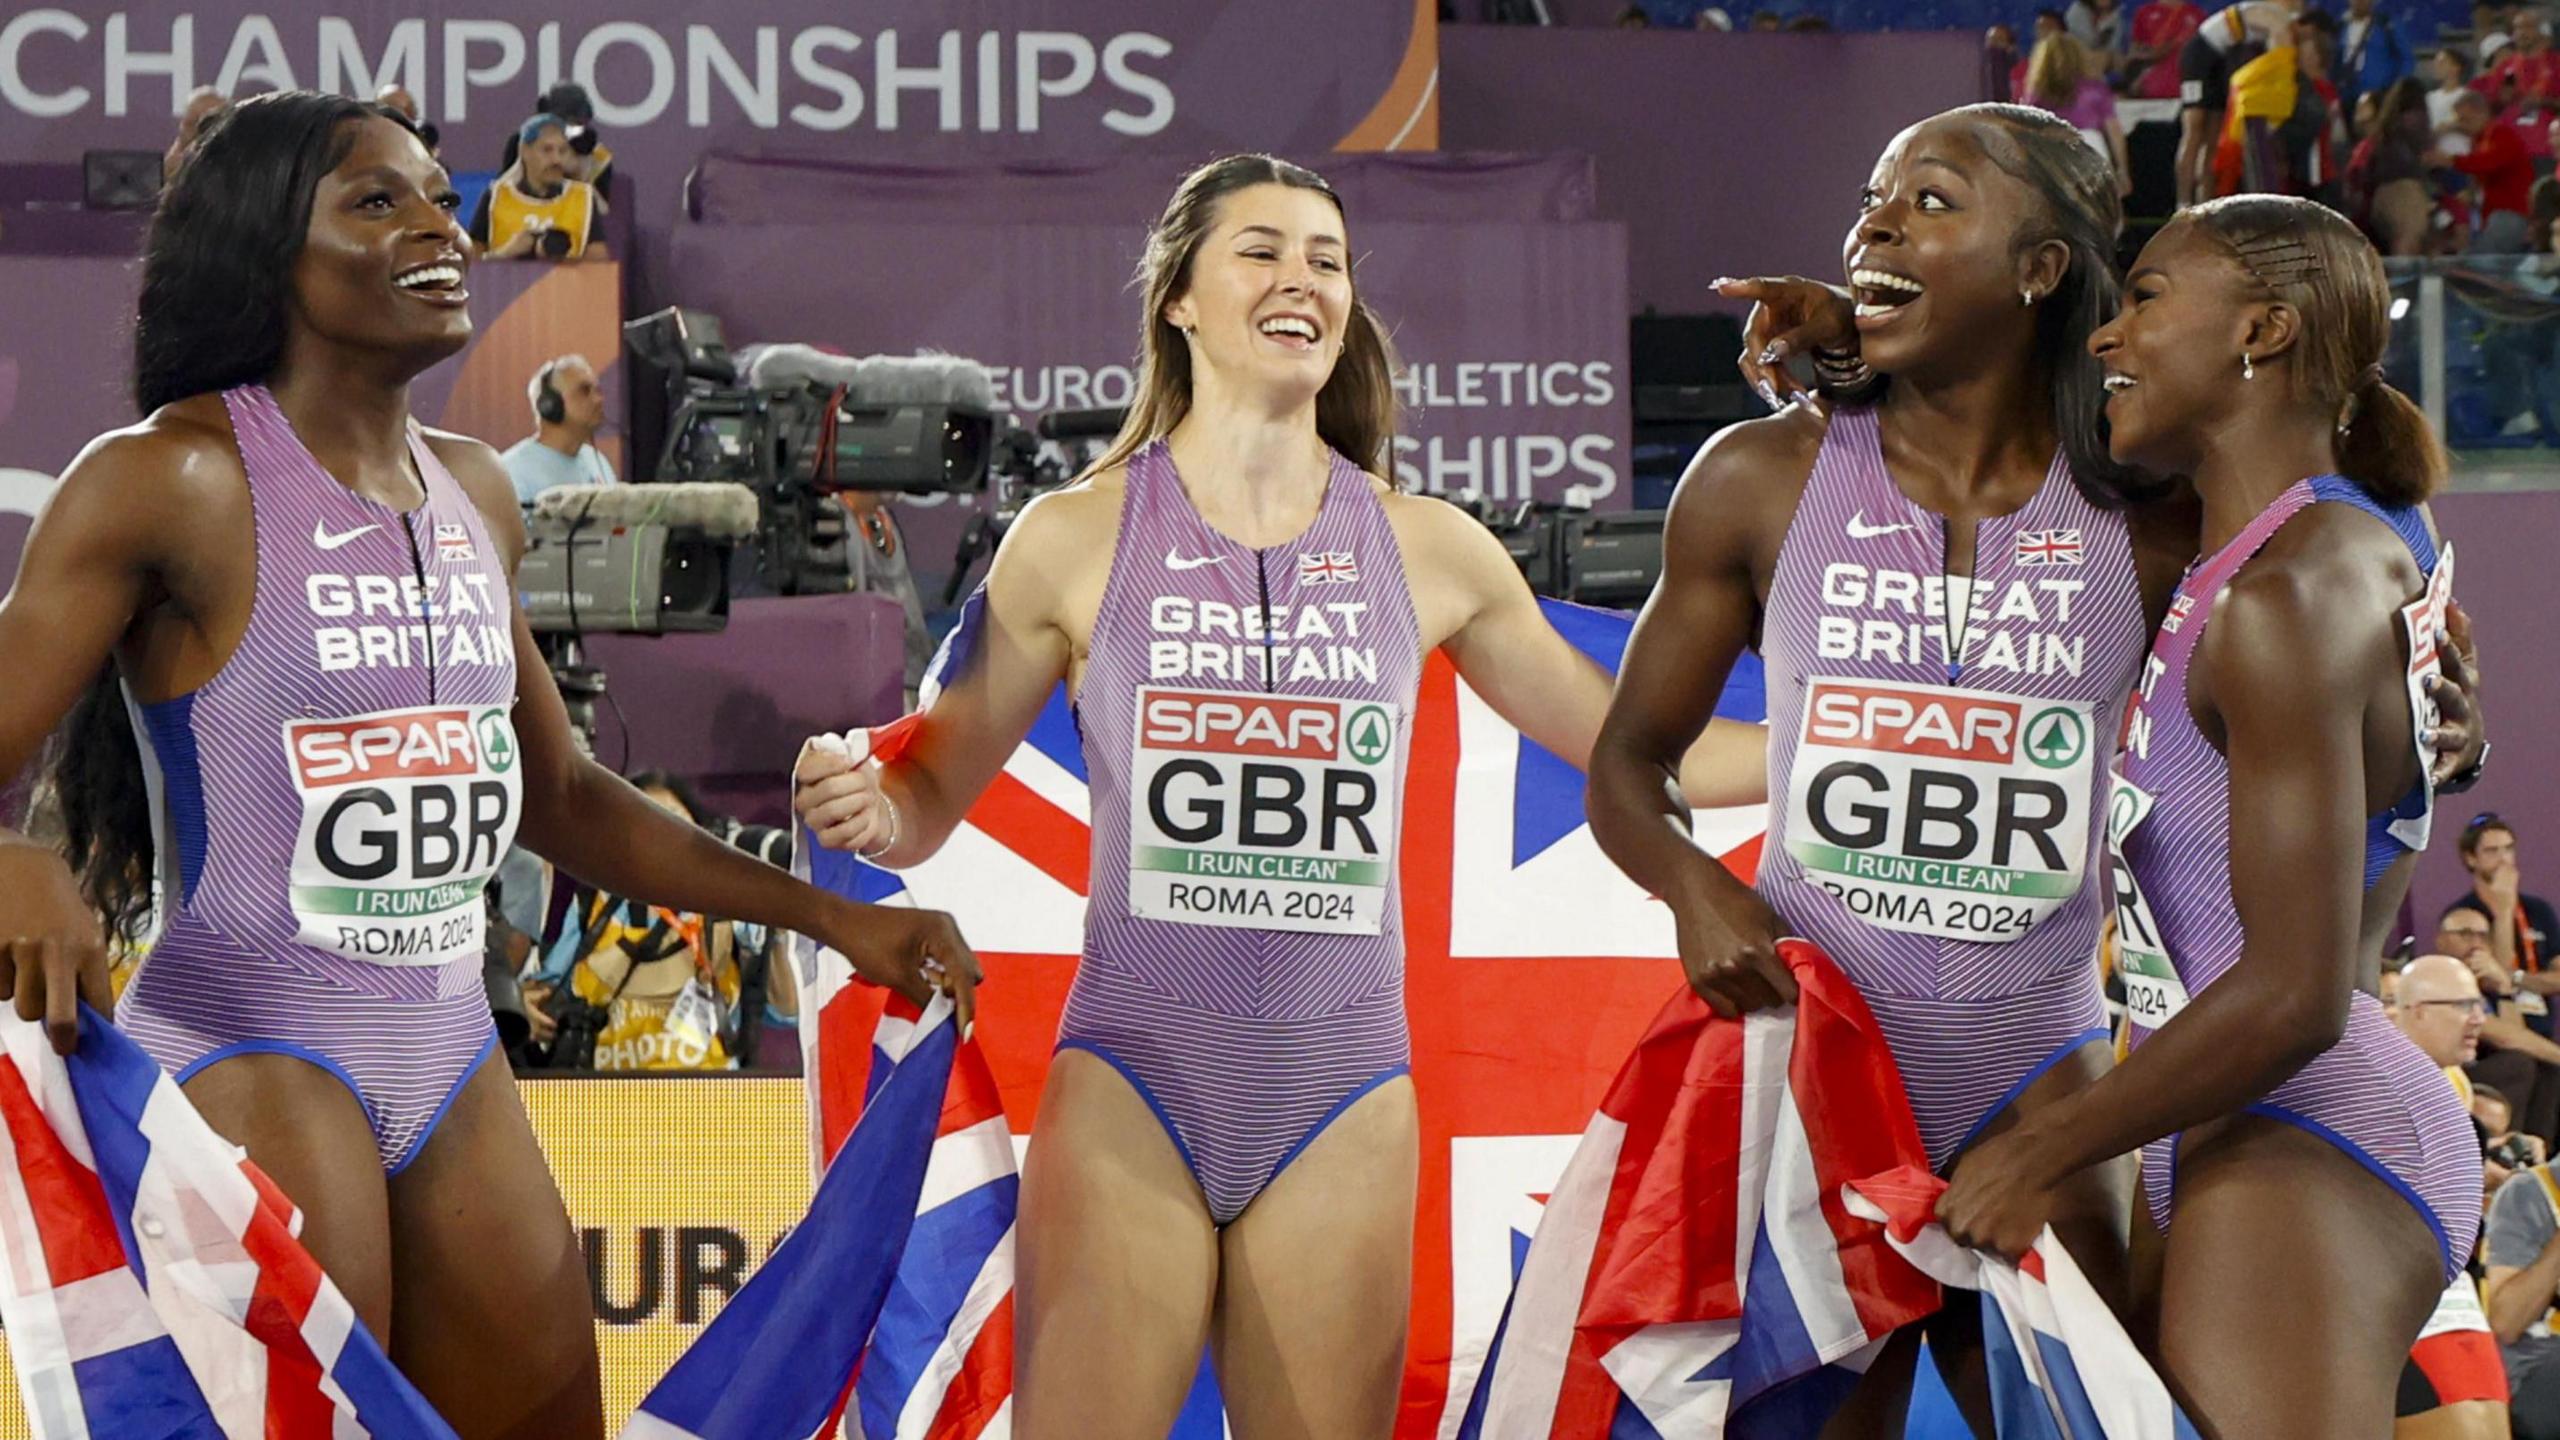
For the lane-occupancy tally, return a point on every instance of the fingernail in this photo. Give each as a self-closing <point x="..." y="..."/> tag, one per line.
<point x="2429" y="684"/>
<point x="1776" y="351"/>
<point x="1769" y="397"/>
<point x="1721" y="281"/>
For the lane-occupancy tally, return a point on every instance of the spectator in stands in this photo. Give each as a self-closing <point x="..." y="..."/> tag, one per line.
<point x="2161" y="29"/>
<point x="2440" y="1008"/>
<point x="203" y="103"/>
<point x="2099" y="27"/>
<point x="1634" y="18"/>
<point x="534" y="209"/>
<point x="2453" y="76"/>
<point x="2523" y="1284"/>
<point x="2049" y="23"/>
<point x="2063" y="77"/>
<point x="590" y="159"/>
<point x="2226" y="41"/>
<point x="2387" y="180"/>
<point x="2372" y="55"/>
<point x="1714" y="18"/>
<point x="2003" y="73"/>
<point x="1809" y="24"/>
<point x="568" y="410"/>
<point x="2521" y="925"/>
<point x="2318" y="140"/>
<point x="2524" y="82"/>
<point x="2513" y="1056"/>
<point x="2496" y="161"/>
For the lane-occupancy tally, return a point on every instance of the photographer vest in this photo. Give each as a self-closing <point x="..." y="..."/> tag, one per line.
<point x="572" y="212"/>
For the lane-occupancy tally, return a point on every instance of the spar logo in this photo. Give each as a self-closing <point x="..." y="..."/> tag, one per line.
<point x="1266" y="728"/>
<point x="399" y="745"/>
<point x="1935" y="726"/>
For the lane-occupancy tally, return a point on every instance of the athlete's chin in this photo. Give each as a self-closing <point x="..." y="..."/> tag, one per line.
<point x="422" y="352"/>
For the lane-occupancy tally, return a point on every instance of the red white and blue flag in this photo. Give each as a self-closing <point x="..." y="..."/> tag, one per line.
<point x="150" y="1280"/>
<point x="1698" y="1272"/>
<point x="2049" y="547"/>
<point x="2060" y="1366"/>
<point x="1493" y="833"/>
<point x="1329" y="567"/>
<point x="902" y="1268"/>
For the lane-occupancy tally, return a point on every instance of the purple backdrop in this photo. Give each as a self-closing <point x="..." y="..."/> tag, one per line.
<point x="1726" y="154"/>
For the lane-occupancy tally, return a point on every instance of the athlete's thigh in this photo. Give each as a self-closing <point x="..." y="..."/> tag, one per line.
<point x="496" y="1322"/>
<point x="1315" y="1281"/>
<point x="1115" y="1265"/>
<point x="307" y="1131"/>
<point x="2293" y="1285"/>
<point x="2465" y="1420"/>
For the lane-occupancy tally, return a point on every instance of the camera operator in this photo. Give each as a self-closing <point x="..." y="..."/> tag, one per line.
<point x="590" y="159"/>
<point x="568" y="410"/>
<point x="537" y="209"/>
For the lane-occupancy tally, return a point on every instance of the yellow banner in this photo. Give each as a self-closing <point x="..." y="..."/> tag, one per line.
<point x="679" y="1186"/>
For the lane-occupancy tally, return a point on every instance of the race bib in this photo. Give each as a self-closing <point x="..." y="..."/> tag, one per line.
<point x="1263" y="812"/>
<point x="2422" y="618"/>
<point x="405" y="816"/>
<point x="2152" y="990"/>
<point x="1942" y="812"/>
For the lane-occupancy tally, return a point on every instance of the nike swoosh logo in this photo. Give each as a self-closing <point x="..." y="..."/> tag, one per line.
<point x="1176" y="560"/>
<point x="1859" y="529"/>
<point x="321" y="537"/>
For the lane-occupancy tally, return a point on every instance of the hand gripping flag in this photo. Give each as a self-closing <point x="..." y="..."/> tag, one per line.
<point x="2061" y="1367"/>
<point x="150" y="1281"/>
<point x="876" y="1280"/>
<point x="1697" y="1272"/>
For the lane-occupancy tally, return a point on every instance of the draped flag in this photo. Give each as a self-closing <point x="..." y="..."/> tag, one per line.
<point x="1521" y="1007"/>
<point x="150" y="1281"/>
<point x="1698" y="1272"/>
<point x="883" y="1277"/>
<point x="2061" y="1367"/>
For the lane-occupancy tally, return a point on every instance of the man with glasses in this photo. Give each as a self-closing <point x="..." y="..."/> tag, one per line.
<point x="2522" y="927"/>
<point x="2453" y="1377"/>
<point x="2514" y="1058"/>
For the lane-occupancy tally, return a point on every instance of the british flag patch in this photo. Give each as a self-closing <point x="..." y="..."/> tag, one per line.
<point x="453" y="542"/>
<point x="1331" y="567"/>
<point x="2049" y="547"/>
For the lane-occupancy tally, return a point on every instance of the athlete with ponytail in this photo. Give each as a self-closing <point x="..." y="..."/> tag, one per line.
<point x="1240" y="606"/>
<point x="2316" y="1185"/>
<point x="299" y="601"/>
<point x="1952" y="585"/>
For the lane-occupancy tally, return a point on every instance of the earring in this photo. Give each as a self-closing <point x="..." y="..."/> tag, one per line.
<point x="2248" y="366"/>
<point x="2026" y="297"/>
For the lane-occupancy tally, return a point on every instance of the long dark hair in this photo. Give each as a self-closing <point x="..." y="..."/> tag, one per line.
<point x="2077" y="206"/>
<point x="2313" y="258"/>
<point x="1356" y="409"/>
<point x="216" y="283"/>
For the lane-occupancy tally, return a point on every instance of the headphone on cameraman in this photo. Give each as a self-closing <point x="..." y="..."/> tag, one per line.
<point x="547" y="402"/>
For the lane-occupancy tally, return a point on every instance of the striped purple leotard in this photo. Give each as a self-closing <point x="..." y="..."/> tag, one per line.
<point x="2373" y="1094"/>
<point x="328" y="807"/>
<point x="1245" y="717"/>
<point x="1935" y="769"/>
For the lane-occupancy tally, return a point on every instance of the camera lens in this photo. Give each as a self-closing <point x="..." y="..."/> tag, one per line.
<point x="554" y="244"/>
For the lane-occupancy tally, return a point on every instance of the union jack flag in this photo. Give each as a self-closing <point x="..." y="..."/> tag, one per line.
<point x="453" y="542"/>
<point x="150" y="1278"/>
<point x="2049" y="547"/>
<point x="1493" y="835"/>
<point x="1332" y="567"/>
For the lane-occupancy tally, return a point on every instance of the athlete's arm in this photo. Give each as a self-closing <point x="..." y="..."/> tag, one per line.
<point x="92" y="562"/>
<point x="2271" y="667"/>
<point x="2515" y="1296"/>
<point x="1694" y="627"/>
<point x="1019" y="653"/>
<point x="1534" y="678"/>
<point x="592" y="824"/>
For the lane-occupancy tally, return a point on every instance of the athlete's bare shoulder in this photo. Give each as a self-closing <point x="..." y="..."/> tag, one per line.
<point x="1054" y="559"/>
<point x="1742" y="487"/>
<point x="182" y="452"/>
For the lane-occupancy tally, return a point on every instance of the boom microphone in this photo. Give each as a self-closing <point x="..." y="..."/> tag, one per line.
<point x="724" y="513"/>
<point x="930" y="378"/>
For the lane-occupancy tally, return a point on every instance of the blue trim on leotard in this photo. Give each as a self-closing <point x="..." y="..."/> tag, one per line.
<point x="2382" y="849"/>
<point x="2363" y="1157"/>
<point x="2060" y="1053"/>
<point x="426" y="1132"/>
<point x="173" y="742"/>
